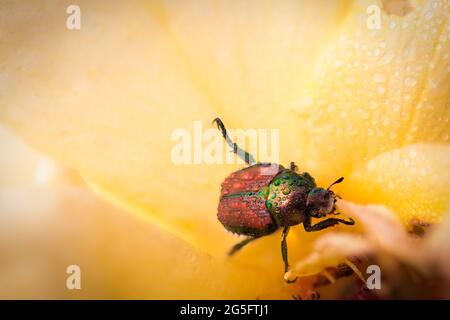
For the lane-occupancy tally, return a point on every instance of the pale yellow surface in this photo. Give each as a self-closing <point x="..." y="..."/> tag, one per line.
<point x="104" y="101"/>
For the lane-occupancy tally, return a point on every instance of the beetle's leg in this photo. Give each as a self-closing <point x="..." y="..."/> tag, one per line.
<point x="325" y="224"/>
<point x="294" y="166"/>
<point x="244" y="155"/>
<point x="284" y="252"/>
<point x="238" y="246"/>
<point x="284" y="249"/>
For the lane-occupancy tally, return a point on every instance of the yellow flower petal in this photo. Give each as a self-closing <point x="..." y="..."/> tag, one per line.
<point x="413" y="181"/>
<point x="383" y="234"/>
<point x="330" y="250"/>
<point x="376" y="90"/>
<point x="45" y="227"/>
<point x="105" y="99"/>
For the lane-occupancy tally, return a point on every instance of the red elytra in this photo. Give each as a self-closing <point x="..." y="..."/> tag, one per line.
<point x="239" y="208"/>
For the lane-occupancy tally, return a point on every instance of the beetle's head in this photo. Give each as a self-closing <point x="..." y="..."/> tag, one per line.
<point x="321" y="202"/>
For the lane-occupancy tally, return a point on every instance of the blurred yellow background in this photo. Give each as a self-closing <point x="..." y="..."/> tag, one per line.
<point x="103" y="101"/>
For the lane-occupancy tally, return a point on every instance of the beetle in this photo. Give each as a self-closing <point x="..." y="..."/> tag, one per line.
<point x="263" y="197"/>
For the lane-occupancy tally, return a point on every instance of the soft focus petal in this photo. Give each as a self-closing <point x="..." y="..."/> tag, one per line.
<point x="105" y="99"/>
<point x="438" y="248"/>
<point x="383" y="229"/>
<point x="376" y="90"/>
<point x="45" y="226"/>
<point x="382" y="234"/>
<point x="413" y="181"/>
<point x="330" y="250"/>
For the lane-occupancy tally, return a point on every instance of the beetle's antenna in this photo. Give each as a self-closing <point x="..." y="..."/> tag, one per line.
<point x="336" y="182"/>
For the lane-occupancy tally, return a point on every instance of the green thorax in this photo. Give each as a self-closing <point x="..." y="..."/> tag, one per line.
<point x="287" y="192"/>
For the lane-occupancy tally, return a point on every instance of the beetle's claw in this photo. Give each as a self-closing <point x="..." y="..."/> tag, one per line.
<point x="291" y="281"/>
<point x="349" y="223"/>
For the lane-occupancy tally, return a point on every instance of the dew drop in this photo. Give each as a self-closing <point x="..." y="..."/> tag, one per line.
<point x="350" y="80"/>
<point x="410" y="82"/>
<point x="392" y="24"/>
<point x="364" y="114"/>
<point x="308" y="101"/>
<point x="378" y="77"/>
<point x="404" y="117"/>
<point x="412" y="153"/>
<point x="381" y="90"/>
<point x="392" y="135"/>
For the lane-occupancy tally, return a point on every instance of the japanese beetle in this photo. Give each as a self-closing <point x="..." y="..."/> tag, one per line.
<point x="263" y="197"/>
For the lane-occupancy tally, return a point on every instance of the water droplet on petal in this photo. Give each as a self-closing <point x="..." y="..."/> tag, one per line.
<point x="378" y="77"/>
<point x="410" y="82"/>
<point x="381" y="90"/>
<point x="404" y="117"/>
<point x="392" y="135"/>
<point x="350" y="80"/>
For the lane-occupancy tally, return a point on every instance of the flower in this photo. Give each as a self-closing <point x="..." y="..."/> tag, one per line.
<point x="395" y="249"/>
<point x="367" y="104"/>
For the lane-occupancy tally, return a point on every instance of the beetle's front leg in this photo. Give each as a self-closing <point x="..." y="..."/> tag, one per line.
<point x="325" y="224"/>
<point x="293" y="166"/>
<point x="284" y="252"/>
<point x="244" y="155"/>
<point x="238" y="246"/>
